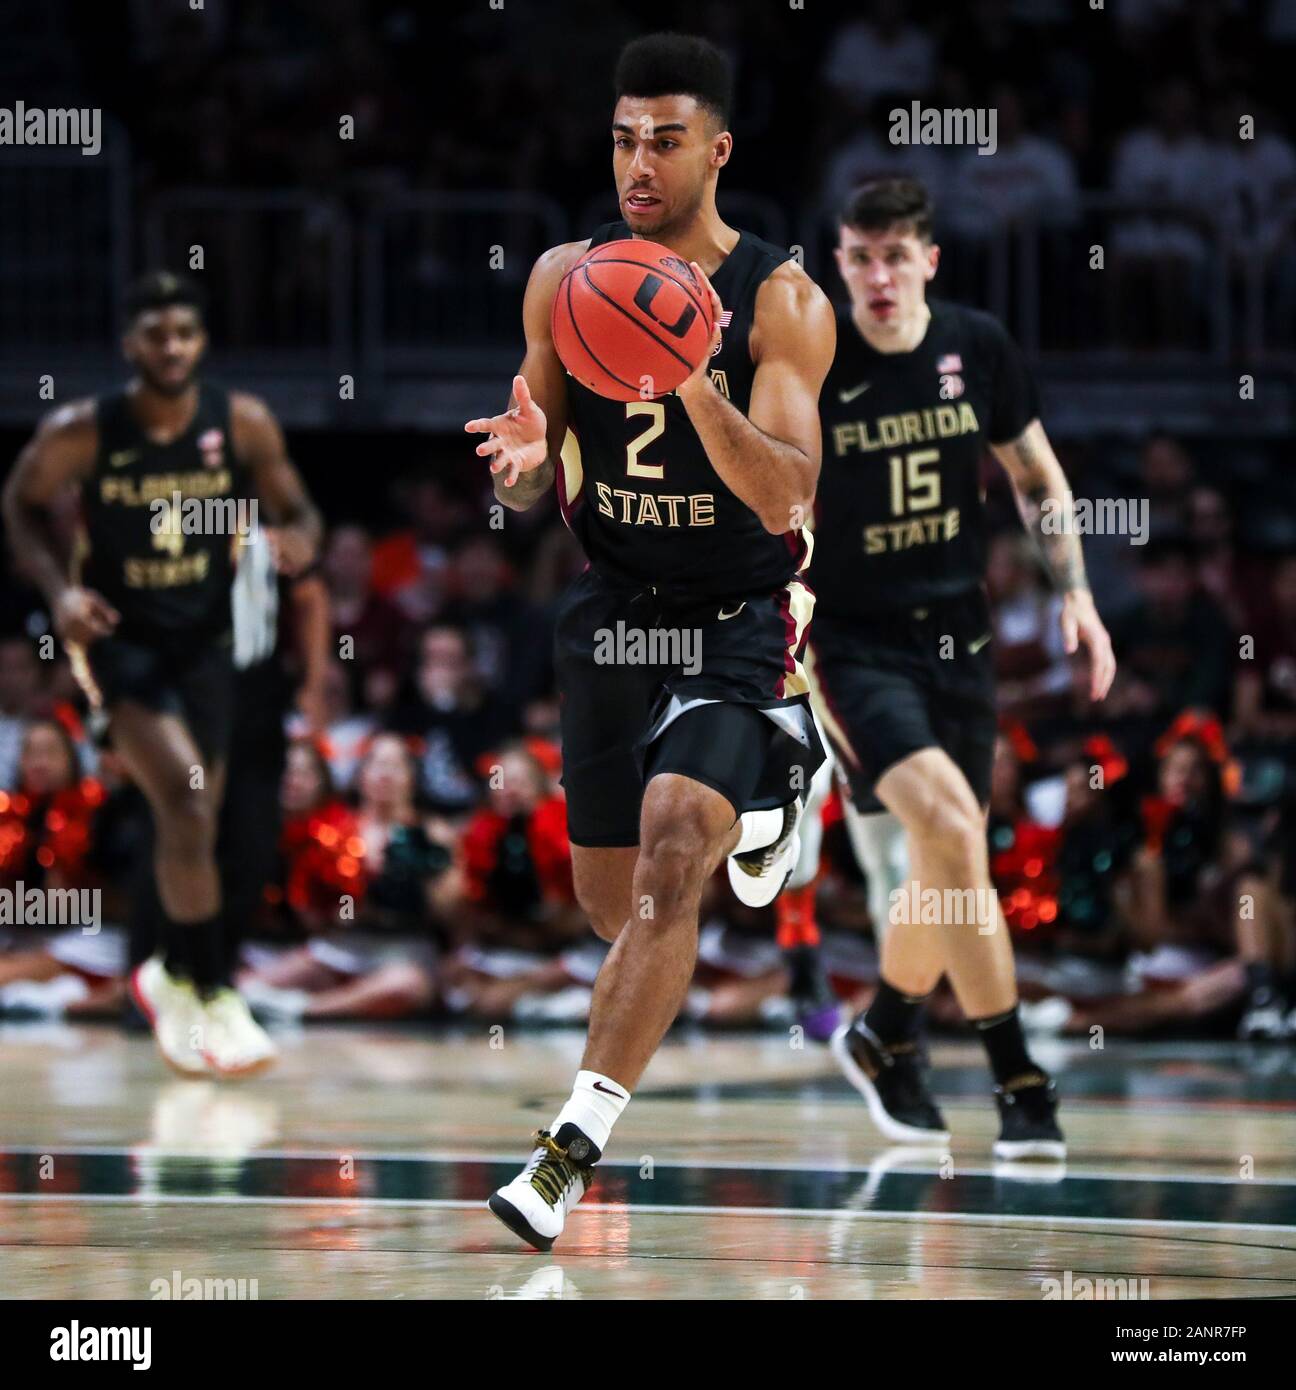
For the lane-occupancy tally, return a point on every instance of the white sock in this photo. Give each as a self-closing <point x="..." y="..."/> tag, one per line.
<point x="759" y="828"/>
<point x="595" y="1105"/>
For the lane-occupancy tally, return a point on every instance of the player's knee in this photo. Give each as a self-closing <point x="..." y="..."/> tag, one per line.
<point x="676" y="853"/>
<point x="954" y="831"/>
<point x="605" y="919"/>
<point x="187" y="823"/>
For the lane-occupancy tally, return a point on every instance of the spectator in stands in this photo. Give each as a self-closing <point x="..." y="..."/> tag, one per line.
<point x="47" y="839"/>
<point x="1165" y="163"/>
<point x="509" y="635"/>
<point x="1032" y="674"/>
<point x="377" y="958"/>
<point x="1174" y="647"/>
<point x="521" y="936"/>
<point x="1264" y="704"/>
<point x="409" y="564"/>
<point x="446" y="706"/>
<point x="1221" y="572"/>
<point x="883" y="53"/>
<point x="1028" y="180"/>
<point x="20" y="697"/>
<point x="380" y="637"/>
<point x="346" y="730"/>
<point x="1194" y="884"/>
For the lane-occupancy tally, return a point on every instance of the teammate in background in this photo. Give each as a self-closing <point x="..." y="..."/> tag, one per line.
<point x="901" y="648"/>
<point x="163" y="466"/>
<point x="666" y="773"/>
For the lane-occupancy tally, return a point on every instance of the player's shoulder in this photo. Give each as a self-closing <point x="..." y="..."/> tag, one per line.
<point x="977" y="327"/>
<point x="75" y="420"/>
<point x="788" y="286"/>
<point x="553" y="264"/>
<point x="248" y="410"/>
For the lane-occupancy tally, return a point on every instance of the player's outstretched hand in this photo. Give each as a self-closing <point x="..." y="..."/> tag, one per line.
<point x="1082" y="627"/>
<point x="83" y="616"/>
<point x="517" y="438"/>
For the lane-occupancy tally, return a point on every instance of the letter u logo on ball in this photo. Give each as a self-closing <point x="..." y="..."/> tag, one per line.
<point x="644" y="297"/>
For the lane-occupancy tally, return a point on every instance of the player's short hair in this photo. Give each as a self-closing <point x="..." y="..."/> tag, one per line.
<point x="162" y="289"/>
<point x="670" y="64"/>
<point x="891" y="200"/>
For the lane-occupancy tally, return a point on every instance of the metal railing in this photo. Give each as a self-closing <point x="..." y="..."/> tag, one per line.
<point x="424" y="287"/>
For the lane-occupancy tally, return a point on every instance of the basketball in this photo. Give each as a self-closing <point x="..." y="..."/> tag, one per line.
<point x="631" y="321"/>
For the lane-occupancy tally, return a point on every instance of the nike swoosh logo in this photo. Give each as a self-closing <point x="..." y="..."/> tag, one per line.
<point x="846" y="397"/>
<point x="980" y="642"/>
<point x="724" y="617"/>
<point x="607" y="1090"/>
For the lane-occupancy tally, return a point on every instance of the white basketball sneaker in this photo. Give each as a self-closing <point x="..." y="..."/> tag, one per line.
<point x="535" y="1204"/>
<point x="175" y="1013"/>
<point x="760" y="875"/>
<point x="233" y="1042"/>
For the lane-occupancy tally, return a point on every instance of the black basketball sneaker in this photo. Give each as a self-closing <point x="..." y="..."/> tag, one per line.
<point x="893" y="1082"/>
<point x="1028" y="1126"/>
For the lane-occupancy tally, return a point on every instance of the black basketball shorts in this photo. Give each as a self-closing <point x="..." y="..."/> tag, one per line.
<point x="715" y="693"/>
<point x="887" y="687"/>
<point x="170" y="674"/>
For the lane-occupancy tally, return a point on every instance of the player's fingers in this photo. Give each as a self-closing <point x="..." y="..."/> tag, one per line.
<point x="521" y="392"/>
<point x="489" y="446"/>
<point x="515" y="469"/>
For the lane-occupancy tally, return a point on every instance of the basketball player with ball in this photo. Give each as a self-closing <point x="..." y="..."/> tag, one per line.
<point x="670" y="391"/>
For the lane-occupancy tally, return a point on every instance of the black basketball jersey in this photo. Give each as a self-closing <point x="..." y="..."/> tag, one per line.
<point x="636" y="485"/>
<point x="899" y="520"/>
<point x="161" y="520"/>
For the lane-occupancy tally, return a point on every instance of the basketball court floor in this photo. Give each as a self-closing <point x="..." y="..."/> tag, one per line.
<point x="743" y="1169"/>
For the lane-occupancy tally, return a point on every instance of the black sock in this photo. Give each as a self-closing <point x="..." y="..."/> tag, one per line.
<point x="892" y="1016"/>
<point x="1260" y="979"/>
<point x="805" y="974"/>
<point x="197" y="950"/>
<point x="1001" y="1035"/>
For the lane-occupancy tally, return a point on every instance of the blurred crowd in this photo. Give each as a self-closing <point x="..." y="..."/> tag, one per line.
<point x="1143" y="848"/>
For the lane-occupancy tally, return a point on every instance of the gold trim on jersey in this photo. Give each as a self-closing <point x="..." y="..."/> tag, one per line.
<point x="572" y="467"/>
<point x="79" y="665"/>
<point x="832" y="726"/>
<point x="801" y="602"/>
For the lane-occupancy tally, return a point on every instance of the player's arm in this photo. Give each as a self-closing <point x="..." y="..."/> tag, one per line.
<point x="313" y="631"/>
<point x="769" y="458"/>
<point x="59" y="455"/>
<point x="260" y="442"/>
<point x="1045" y="503"/>
<point x="525" y="442"/>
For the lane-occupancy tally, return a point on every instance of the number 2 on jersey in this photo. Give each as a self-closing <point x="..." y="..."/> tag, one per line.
<point x="656" y="425"/>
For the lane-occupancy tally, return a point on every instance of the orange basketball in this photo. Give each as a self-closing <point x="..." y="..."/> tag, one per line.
<point x="631" y="321"/>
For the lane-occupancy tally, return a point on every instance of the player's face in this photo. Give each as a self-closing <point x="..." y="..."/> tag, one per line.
<point x="165" y="346"/>
<point x="886" y="273"/>
<point x="663" y="152"/>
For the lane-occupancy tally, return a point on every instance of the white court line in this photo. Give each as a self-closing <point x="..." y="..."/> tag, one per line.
<point x="826" y="1213"/>
<point x="746" y="1165"/>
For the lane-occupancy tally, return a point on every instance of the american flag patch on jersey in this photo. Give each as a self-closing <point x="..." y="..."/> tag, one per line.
<point x="725" y="316"/>
<point x="951" y="362"/>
